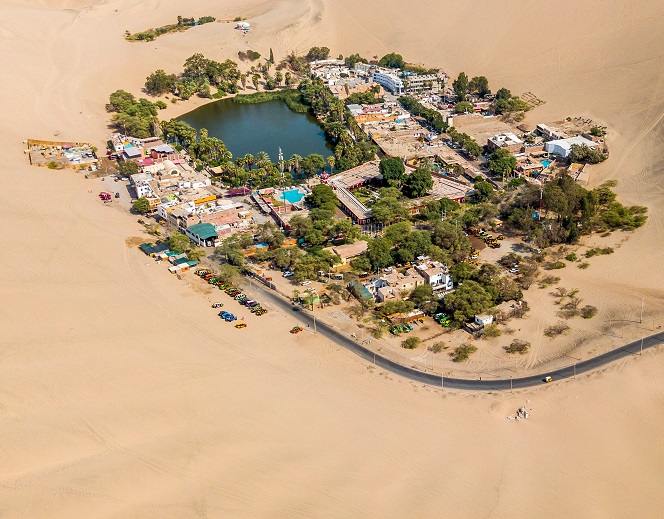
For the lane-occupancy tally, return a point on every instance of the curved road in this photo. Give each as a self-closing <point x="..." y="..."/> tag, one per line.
<point x="460" y="383"/>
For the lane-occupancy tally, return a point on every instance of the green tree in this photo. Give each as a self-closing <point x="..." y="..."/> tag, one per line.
<point x="392" y="170"/>
<point x="502" y="162"/>
<point x="128" y="168"/>
<point x="254" y="80"/>
<point x="322" y="196"/>
<point x="392" y="60"/>
<point x="483" y="190"/>
<point x="178" y="242"/>
<point x="318" y="53"/>
<point x="479" y="85"/>
<point x="387" y="210"/>
<point x="159" y="83"/>
<point x="460" y="85"/>
<point x="418" y="183"/>
<point x="468" y="300"/>
<point x="351" y="60"/>
<point x="271" y="60"/>
<point x="141" y="206"/>
<point x="463" y="107"/>
<point x="379" y="253"/>
<point x="423" y="298"/>
<point x="312" y="164"/>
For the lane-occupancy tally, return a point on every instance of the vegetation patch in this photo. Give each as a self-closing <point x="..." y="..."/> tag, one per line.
<point x="556" y="329"/>
<point x="491" y="331"/>
<point x="463" y="352"/>
<point x="518" y="346"/>
<point x="182" y="25"/>
<point x="588" y="312"/>
<point x="291" y="97"/>
<point x="598" y="251"/>
<point x="411" y="343"/>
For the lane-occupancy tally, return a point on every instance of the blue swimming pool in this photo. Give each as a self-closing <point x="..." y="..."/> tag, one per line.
<point x="293" y="196"/>
<point x="546" y="163"/>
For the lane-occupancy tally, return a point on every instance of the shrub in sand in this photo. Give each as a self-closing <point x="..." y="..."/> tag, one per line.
<point x="518" y="346"/>
<point x="463" y="352"/>
<point x="588" y="312"/>
<point x="411" y="343"/>
<point x="491" y="331"/>
<point x="556" y="329"/>
<point x="437" y="347"/>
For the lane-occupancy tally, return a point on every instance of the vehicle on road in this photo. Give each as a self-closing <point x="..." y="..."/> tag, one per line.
<point x="296" y="329"/>
<point x="546" y="380"/>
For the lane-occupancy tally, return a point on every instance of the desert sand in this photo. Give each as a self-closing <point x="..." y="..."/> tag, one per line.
<point x="121" y="393"/>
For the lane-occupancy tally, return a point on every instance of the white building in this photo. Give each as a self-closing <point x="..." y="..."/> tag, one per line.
<point x="388" y="79"/>
<point x="141" y="182"/>
<point x="563" y="147"/>
<point x="505" y="140"/>
<point x="483" y="320"/>
<point x="418" y="82"/>
<point x="435" y="274"/>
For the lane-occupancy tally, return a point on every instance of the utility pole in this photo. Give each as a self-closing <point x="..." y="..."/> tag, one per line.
<point x="642" y="301"/>
<point x="641" y="352"/>
<point x="539" y="214"/>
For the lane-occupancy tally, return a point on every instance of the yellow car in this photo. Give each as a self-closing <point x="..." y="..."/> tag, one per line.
<point x="241" y="325"/>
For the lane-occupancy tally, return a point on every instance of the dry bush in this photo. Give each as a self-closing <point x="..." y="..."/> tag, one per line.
<point x="491" y="331"/>
<point x="518" y="346"/>
<point x="588" y="312"/>
<point x="438" y="347"/>
<point x="556" y="329"/>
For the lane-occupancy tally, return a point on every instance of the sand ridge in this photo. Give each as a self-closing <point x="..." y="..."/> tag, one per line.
<point x="123" y="395"/>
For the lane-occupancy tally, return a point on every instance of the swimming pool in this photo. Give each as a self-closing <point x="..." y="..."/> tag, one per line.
<point x="292" y="197"/>
<point x="546" y="163"/>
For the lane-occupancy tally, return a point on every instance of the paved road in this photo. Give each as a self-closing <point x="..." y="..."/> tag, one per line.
<point x="458" y="383"/>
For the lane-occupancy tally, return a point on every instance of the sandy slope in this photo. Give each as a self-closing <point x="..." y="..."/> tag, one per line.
<point x="121" y="395"/>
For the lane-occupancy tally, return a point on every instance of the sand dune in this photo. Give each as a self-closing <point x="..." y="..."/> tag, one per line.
<point x="122" y="395"/>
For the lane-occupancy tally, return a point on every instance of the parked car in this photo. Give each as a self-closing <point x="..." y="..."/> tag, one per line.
<point x="305" y="283"/>
<point x="288" y="274"/>
<point x="217" y="305"/>
<point x="241" y="325"/>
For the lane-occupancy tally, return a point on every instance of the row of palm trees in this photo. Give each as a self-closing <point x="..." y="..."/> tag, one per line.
<point x="262" y="160"/>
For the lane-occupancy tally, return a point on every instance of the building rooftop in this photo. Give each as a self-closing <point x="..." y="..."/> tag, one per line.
<point x="203" y="230"/>
<point x="505" y="139"/>
<point x="350" y="250"/>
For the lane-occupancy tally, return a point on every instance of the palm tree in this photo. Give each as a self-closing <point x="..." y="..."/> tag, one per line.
<point x="243" y="79"/>
<point x="295" y="161"/>
<point x="287" y="79"/>
<point x="296" y="294"/>
<point x="249" y="160"/>
<point x="254" y="80"/>
<point x="331" y="161"/>
<point x="311" y="299"/>
<point x="278" y="77"/>
<point x="262" y="159"/>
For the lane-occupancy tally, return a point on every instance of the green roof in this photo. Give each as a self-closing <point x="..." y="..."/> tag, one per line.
<point x="204" y="231"/>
